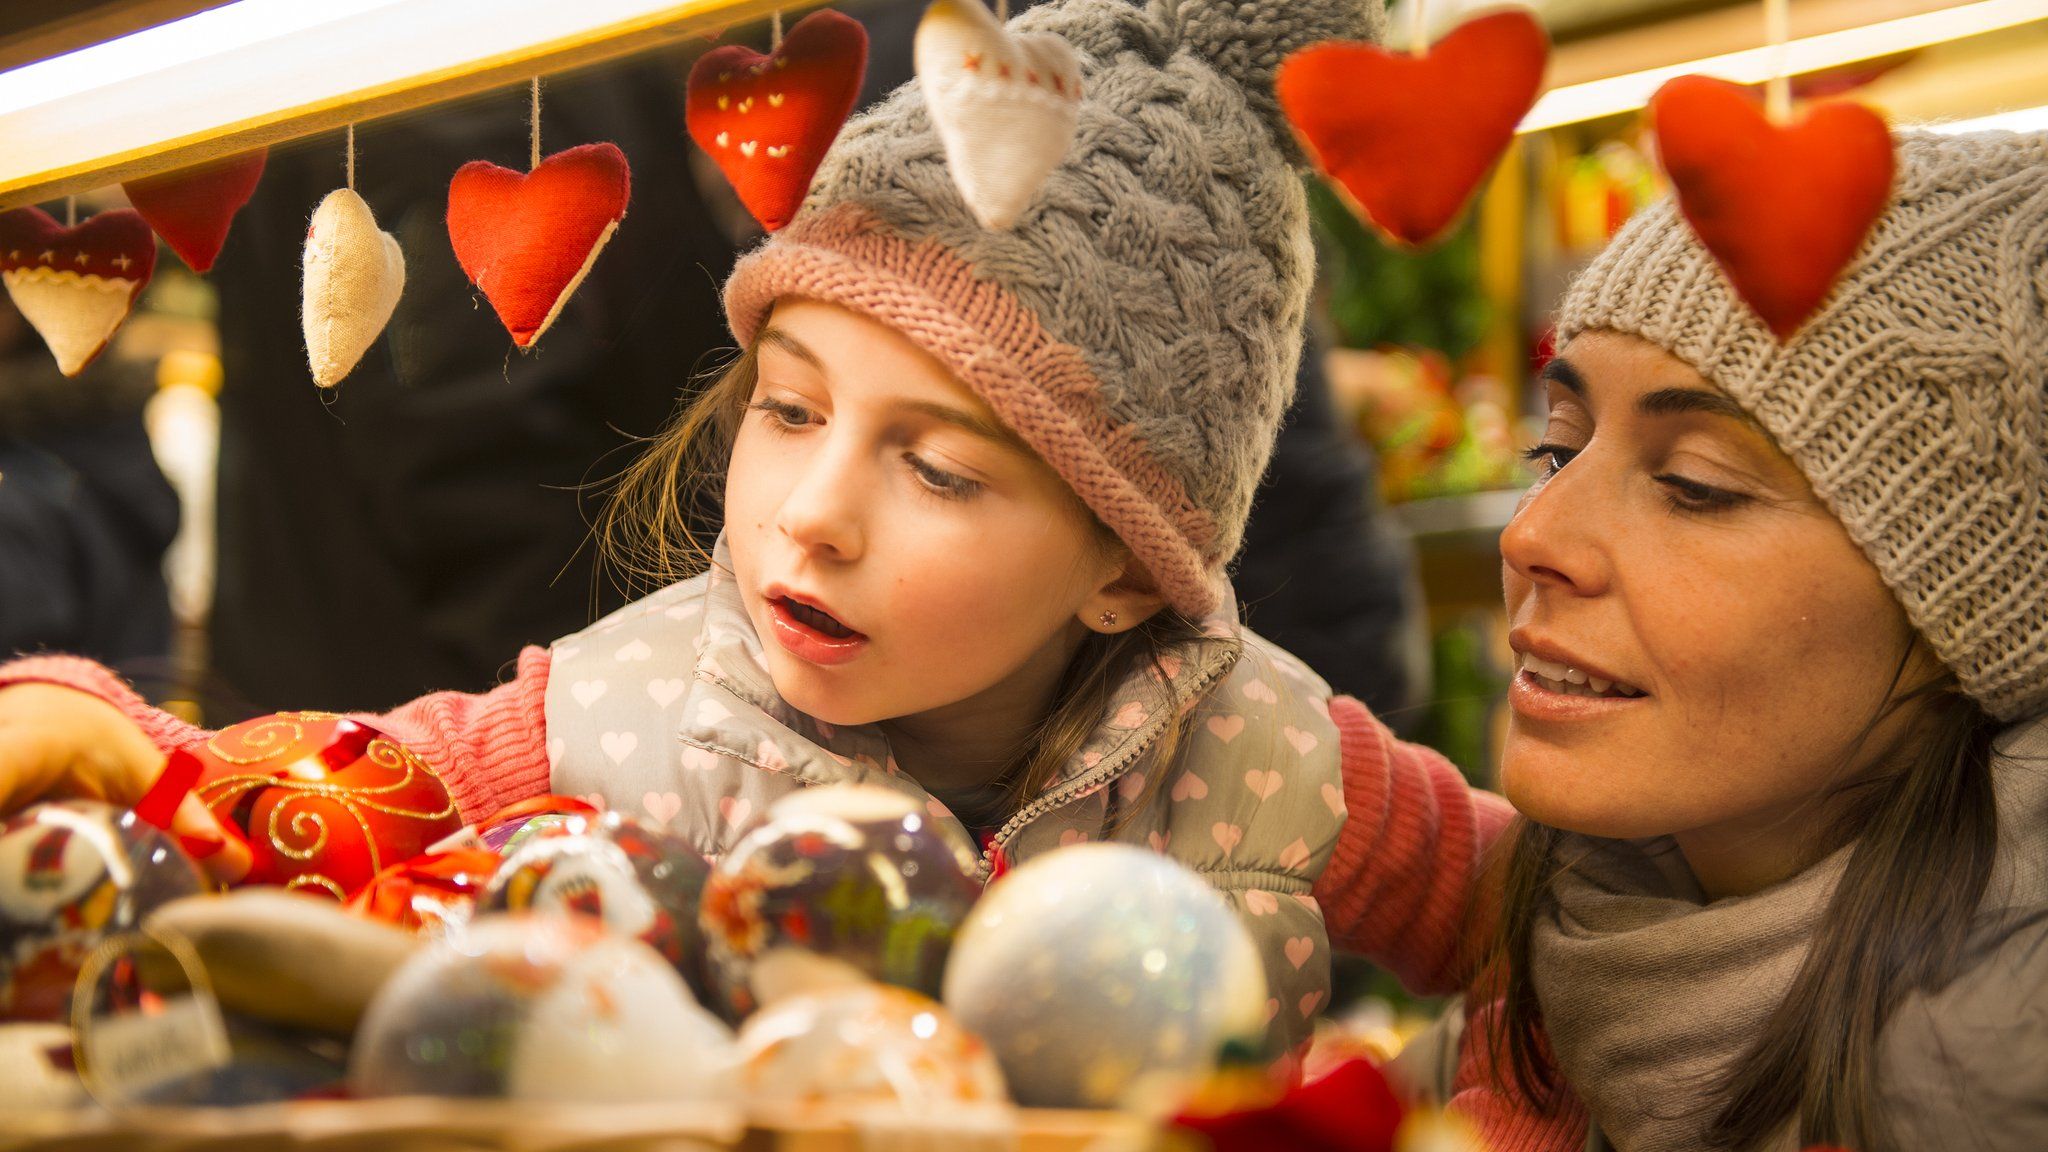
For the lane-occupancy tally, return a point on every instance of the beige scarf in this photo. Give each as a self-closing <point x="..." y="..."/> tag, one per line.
<point x="1650" y="991"/>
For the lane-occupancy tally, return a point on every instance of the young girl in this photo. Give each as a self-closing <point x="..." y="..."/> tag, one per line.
<point x="979" y="488"/>
<point x="1780" y="873"/>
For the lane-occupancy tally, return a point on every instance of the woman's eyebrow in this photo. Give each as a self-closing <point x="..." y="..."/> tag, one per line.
<point x="1559" y="370"/>
<point x="1675" y="401"/>
<point x="793" y="346"/>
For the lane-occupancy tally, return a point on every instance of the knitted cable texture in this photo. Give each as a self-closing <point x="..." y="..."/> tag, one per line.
<point x="1139" y="325"/>
<point x="1915" y="402"/>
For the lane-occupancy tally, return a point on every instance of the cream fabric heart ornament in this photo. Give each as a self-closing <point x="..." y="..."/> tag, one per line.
<point x="354" y="274"/>
<point x="1004" y="106"/>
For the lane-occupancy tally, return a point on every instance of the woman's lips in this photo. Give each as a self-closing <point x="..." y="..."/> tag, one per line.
<point x="1531" y="700"/>
<point x="805" y="642"/>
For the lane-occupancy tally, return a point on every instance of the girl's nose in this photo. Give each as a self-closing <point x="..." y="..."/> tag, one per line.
<point x="823" y="510"/>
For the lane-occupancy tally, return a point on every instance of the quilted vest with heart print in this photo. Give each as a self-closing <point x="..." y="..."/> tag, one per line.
<point x="665" y="710"/>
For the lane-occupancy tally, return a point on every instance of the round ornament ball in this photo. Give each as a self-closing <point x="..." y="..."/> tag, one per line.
<point x="847" y="879"/>
<point x="540" y="1008"/>
<point x="325" y="802"/>
<point x="864" y="1043"/>
<point x="71" y="873"/>
<point x="1101" y="971"/>
<point x="634" y="880"/>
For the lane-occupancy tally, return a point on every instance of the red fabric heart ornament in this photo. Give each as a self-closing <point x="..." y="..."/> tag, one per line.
<point x="193" y="208"/>
<point x="528" y="238"/>
<point x="1350" y="1109"/>
<point x="767" y="120"/>
<point x="75" y="286"/>
<point x="1409" y="138"/>
<point x="1783" y="208"/>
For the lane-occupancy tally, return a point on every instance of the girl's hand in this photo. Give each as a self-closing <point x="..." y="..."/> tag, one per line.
<point x="58" y="743"/>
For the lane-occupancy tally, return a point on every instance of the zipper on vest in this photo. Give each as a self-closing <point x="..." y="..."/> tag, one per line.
<point x="1100" y="775"/>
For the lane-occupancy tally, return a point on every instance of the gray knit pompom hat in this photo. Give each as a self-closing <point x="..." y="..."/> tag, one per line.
<point x="1915" y="401"/>
<point x="1139" y="325"/>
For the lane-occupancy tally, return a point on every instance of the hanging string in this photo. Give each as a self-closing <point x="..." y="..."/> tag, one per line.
<point x="1777" y="32"/>
<point x="351" y="157"/>
<point x="71" y="211"/>
<point x="535" y="162"/>
<point x="1418" y="27"/>
<point x="775" y="30"/>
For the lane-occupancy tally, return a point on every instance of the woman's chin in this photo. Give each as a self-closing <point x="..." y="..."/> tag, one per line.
<point x="1574" y="794"/>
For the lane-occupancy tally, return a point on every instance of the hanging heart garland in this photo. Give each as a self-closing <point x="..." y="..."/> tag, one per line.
<point x="75" y="285"/>
<point x="767" y="120"/>
<point x="354" y="275"/>
<point x="193" y="208"/>
<point x="1783" y="208"/>
<point x="1004" y="105"/>
<point x="527" y="239"/>
<point x="1409" y="138"/>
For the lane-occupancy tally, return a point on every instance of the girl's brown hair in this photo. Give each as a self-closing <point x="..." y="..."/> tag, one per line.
<point x="1925" y="834"/>
<point x="645" y="537"/>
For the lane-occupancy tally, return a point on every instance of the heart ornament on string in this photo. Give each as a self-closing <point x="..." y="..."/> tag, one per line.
<point x="766" y="121"/>
<point x="1409" y="138"/>
<point x="75" y="286"/>
<point x="354" y="275"/>
<point x="193" y="208"/>
<point x="1782" y="208"/>
<point x="527" y="239"/>
<point x="1004" y="105"/>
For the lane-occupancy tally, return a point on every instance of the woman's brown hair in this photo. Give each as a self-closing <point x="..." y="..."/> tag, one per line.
<point x="1925" y="834"/>
<point x="646" y="539"/>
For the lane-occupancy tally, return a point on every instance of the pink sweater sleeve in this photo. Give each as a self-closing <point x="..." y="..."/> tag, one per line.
<point x="490" y="748"/>
<point x="1401" y="885"/>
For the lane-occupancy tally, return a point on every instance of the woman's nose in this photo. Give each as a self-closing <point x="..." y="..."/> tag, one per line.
<point x="1555" y="538"/>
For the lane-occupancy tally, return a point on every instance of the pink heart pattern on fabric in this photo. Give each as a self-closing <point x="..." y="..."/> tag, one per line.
<point x="1189" y="787"/>
<point x="1225" y="728"/>
<point x="1259" y="902"/>
<point x="1264" y="783"/>
<point x="661" y="806"/>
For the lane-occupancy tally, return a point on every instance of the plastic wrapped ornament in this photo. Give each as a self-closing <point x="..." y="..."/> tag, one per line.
<point x="431" y="894"/>
<point x="540" y="1008"/>
<point x="850" y="877"/>
<point x="637" y="881"/>
<point x="1102" y="970"/>
<point x="866" y="1043"/>
<point x="72" y="872"/>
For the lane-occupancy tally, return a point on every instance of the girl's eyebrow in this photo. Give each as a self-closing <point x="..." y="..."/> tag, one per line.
<point x="793" y="346"/>
<point x="967" y="421"/>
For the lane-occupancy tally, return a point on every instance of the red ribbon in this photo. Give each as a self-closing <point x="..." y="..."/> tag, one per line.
<point x="160" y="803"/>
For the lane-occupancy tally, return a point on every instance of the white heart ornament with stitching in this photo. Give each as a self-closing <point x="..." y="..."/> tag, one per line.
<point x="354" y="275"/>
<point x="1004" y="106"/>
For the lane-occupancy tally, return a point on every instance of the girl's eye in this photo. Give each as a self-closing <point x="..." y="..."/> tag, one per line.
<point x="783" y="415"/>
<point x="1548" y="458"/>
<point x="939" y="481"/>
<point x="1692" y="496"/>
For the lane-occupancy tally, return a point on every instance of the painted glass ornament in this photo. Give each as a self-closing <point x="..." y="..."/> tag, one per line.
<point x="853" y="878"/>
<point x="71" y="873"/>
<point x="540" y="1008"/>
<point x="1101" y="972"/>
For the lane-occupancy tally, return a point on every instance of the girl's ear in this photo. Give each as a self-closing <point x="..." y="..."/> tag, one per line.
<point x="1129" y="598"/>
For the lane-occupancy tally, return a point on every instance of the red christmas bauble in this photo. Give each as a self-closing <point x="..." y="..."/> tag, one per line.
<point x="325" y="802"/>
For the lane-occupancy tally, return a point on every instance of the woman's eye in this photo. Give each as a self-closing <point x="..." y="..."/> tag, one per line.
<point x="1548" y="458"/>
<point x="940" y="481"/>
<point x="783" y="415"/>
<point x="1692" y="496"/>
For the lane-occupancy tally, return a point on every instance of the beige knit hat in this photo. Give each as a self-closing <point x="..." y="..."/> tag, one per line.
<point x="1915" y="401"/>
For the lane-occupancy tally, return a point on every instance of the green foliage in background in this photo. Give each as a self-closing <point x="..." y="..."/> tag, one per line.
<point x="1379" y="294"/>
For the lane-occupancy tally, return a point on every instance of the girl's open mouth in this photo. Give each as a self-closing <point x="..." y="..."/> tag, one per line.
<point x="810" y="633"/>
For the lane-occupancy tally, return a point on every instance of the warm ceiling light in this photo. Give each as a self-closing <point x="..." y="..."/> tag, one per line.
<point x="265" y="71"/>
<point x="1616" y="94"/>
<point x="2021" y="120"/>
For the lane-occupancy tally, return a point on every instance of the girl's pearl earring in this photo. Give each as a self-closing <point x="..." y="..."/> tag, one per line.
<point x="1108" y="619"/>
